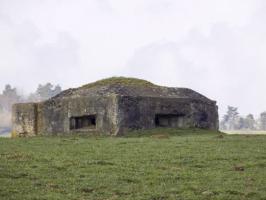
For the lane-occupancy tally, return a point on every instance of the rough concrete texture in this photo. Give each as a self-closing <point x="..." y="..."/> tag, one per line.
<point x="113" y="107"/>
<point x="24" y="119"/>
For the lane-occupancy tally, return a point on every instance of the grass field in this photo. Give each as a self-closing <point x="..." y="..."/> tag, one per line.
<point x="162" y="164"/>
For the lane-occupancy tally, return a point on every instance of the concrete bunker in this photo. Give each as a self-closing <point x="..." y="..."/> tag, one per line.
<point x="113" y="107"/>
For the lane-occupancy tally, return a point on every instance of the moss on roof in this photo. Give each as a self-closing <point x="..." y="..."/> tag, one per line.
<point x="130" y="87"/>
<point x="120" y="81"/>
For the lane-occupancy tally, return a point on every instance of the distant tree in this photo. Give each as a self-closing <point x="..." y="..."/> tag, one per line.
<point x="231" y="119"/>
<point x="10" y="92"/>
<point x="44" y="92"/>
<point x="263" y="121"/>
<point x="9" y="97"/>
<point x="239" y="123"/>
<point x="250" y="122"/>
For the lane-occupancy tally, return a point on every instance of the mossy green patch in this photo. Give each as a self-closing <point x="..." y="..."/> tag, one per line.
<point x="121" y="81"/>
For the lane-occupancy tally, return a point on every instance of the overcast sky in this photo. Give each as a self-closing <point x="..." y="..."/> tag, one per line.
<point x="216" y="47"/>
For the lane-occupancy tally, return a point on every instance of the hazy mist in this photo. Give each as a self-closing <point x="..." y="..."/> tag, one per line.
<point x="214" y="47"/>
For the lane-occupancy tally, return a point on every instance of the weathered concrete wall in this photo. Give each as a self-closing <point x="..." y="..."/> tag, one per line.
<point x="204" y="115"/>
<point x="140" y="112"/>
<point x="114" y="114"/>
<point x="24" y="119"/>
<point x="54" y="115"/>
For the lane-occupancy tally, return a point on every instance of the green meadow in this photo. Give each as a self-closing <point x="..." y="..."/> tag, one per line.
<point x="158" y="164"/>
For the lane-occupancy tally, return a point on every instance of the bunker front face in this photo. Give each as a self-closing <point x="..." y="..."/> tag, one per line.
<point x="114" y="106"/>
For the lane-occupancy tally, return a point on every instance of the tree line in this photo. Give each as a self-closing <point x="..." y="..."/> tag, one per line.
<point x="233" y="121"/>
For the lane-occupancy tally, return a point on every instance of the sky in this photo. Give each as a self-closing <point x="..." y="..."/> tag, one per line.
<point x="214" y="47"/>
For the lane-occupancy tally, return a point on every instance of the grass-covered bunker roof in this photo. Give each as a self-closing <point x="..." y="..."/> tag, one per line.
<point x="130" y="87"/>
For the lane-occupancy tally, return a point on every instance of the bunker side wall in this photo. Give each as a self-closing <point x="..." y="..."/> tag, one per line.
<point x="24" y="119"/>
<point x="140" y="112"/>
<point x="54" y="115"/>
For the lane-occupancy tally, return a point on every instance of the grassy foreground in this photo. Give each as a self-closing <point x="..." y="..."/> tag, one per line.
<point x="162" y="164"/>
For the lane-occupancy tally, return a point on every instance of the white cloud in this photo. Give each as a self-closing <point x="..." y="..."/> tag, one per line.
<point x="26" y="59"/>
<point x="216" y="47"/>
<point x="225" y="65"/>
